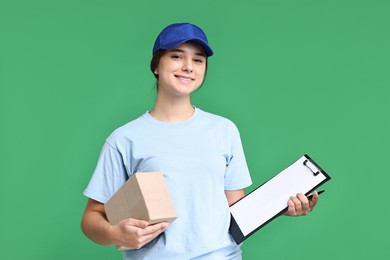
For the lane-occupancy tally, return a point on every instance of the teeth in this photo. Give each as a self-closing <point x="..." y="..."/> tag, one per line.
<point x="184" y="78"/>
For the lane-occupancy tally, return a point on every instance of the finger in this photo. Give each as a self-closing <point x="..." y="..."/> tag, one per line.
<point x="291" y="208"/>
<point x="136" y="223"/>
<point x="304" y="203"/>
<point x="297" y="204"/>
<point x="136" y="237"/>
<point x="151" y="232"/>
<point x="291" y="211"/>
<point x="156" y="228"/>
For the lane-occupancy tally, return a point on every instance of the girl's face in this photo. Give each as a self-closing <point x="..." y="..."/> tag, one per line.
<point x="181" y="70"/>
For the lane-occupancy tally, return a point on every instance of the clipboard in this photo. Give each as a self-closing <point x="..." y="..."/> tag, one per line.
<point x="269" y="200"/>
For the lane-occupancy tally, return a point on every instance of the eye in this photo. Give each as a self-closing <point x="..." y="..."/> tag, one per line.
<point x="176" y="57"/>
<point x="198" y="60"/>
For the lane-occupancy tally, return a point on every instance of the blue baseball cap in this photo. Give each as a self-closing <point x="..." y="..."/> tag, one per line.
<point x="178" y="33"/>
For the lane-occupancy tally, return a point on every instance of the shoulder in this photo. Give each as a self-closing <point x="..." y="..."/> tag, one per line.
<point x="127" y="131"/>
<point x="214" y="119"/>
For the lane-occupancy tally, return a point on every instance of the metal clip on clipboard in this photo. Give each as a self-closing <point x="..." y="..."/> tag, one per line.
<point x="305" y="162"/>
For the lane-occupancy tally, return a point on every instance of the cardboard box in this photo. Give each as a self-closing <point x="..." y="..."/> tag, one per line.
<point x="144" y="196"/>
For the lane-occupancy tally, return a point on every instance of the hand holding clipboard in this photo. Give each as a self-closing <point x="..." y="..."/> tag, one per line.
<point x="268" y="201"/>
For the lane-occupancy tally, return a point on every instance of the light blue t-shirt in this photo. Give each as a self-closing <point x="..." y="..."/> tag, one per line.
<point x="200" y="158"/>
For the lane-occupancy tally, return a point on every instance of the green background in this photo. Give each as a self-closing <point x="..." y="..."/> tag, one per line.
<point x="295" y="76"/>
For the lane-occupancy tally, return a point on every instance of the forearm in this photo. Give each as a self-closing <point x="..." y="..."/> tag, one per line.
<point x="96" y="227"/>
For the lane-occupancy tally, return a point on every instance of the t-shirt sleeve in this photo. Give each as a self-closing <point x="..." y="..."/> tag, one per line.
<point x="237" y="174"/>
<point x="110" y="174"/>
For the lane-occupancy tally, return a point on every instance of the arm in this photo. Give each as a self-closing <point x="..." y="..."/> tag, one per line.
<point x="130" y="232"/>
<point x="234" y="195"/>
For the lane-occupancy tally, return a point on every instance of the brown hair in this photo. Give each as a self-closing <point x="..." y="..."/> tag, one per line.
<point x="156" y="60"/>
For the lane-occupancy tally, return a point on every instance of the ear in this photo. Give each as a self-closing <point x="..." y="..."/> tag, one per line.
<point x="155" y="71"/>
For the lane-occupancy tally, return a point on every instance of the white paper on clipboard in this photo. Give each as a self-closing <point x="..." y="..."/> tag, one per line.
<point x="270" y="199"/>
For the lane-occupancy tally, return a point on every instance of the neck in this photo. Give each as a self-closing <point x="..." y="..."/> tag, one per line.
<point x="173" y="111"/>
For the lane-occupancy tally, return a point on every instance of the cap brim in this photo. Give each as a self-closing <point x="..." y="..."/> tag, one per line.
<point x="209" y="52"/>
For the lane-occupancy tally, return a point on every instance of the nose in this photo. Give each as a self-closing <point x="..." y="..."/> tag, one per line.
<point x="187" y="66"/>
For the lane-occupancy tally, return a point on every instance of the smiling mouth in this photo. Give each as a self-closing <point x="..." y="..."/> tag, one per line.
<point x="184" y="78"/>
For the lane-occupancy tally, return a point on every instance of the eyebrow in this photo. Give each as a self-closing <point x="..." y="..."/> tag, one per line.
<point x="182" y="51"/>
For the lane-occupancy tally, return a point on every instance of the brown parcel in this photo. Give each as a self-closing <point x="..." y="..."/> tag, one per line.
<point x="144" y="196"/>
